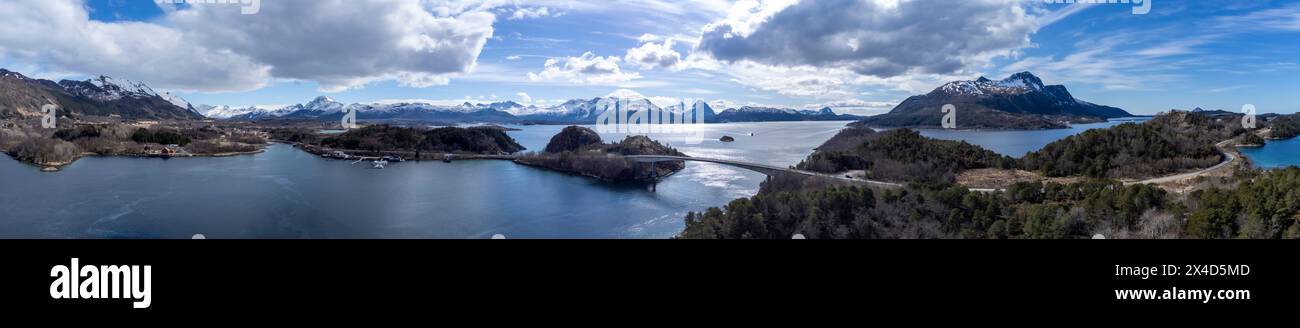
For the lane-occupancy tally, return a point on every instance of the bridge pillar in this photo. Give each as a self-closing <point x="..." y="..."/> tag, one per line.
<point x="654" y="178"/>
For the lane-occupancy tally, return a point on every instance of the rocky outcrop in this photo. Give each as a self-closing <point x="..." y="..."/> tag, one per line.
<point x="572" y="138"/>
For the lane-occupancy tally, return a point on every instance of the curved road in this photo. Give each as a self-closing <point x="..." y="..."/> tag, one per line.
<point x="1185" y="176"/>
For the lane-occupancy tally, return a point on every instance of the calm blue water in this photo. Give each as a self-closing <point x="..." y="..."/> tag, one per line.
<point x="1017" y="143"/>
<point x="1275" y="154"/>
<point x="286" y="193"/>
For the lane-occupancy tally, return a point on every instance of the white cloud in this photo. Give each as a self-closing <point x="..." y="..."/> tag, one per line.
<point x="855" y="106"/>
<point x="1129" y="62"/>
<point x="533" y="13"/>
<point x="524" y="98"/>
<point x="647" y="38"/>
<point x="585" y="69"/>
<point x="854" y="103"/>
<point x="699" y="91"/>
<point x="215" y="48"/>
<point x="651" y="55"/>
<point x="514" y="57"/>
<point x="1286" y="18"/>
<point x="318" y="40"/>
<point x="59" y="36"/>
<point x="873" y="38"/>
<point x="814" y="82"/>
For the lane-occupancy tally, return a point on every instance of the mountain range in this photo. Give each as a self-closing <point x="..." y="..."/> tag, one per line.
<point x="1020" y="101"/>
<point x="576" y="111"/>
<point x="23" y="97"/>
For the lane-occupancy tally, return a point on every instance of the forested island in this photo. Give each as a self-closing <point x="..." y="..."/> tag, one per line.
<point x="580" y="150"/>
<point x="405" y="142"/>
<point x="475" y="140"/>
<point x="1247" y="203"/>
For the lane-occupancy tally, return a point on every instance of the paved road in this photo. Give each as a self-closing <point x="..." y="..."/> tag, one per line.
<point x="1185" y="176"/>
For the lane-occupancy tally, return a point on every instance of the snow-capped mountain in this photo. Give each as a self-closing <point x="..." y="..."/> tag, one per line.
<point x="770" y="114"/>
<point x="576" y="111"/>
<point x="105" y="88"/>
<point x="1020" y="101"/>
<point x="100" y="96"/>
<point x="1018" y="83"/>
<point x="226" y="112"/>
<point x="318" y="107"/>
<point x="179" y="102"/>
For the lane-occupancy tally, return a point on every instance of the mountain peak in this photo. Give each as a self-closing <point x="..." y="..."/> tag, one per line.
<point x="1022" y="98"/>
<point x="1027" y="78"/>
<point x="321" y="100"/>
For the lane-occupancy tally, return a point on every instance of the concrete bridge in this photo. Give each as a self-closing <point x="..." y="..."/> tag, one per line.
<point x="769" y="170"/>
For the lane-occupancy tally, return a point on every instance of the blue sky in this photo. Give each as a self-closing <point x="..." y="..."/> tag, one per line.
<point x="1183" y="54"/>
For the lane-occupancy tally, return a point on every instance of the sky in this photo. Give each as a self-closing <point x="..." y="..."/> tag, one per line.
<point x="857" y="56"/>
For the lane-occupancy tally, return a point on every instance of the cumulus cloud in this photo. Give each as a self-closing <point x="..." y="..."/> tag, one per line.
<point x="524" y="98"/>
<point x="874" y="38"/>
<point x="59" y="36"/>
<point x="816" y="82"/>
<point x="320" y="40"/>
<point x="585" y="69"/>
<point x="651" y="55"/>
<point x="215" y="48"/>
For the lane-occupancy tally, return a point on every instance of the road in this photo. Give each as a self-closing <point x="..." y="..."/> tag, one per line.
<point x="1180" y="177"/>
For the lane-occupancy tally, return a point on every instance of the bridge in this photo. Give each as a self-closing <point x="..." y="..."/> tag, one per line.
<point x="769" y="170"/>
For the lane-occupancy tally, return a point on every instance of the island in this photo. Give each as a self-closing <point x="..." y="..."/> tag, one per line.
<point x="579" y="150"/>
<point x="416" y="143"/>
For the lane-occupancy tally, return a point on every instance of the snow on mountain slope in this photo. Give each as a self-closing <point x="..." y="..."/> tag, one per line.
<point x="225" y="112"/>
<point x="1018" y="83"/>
<point x="179" y="102"/>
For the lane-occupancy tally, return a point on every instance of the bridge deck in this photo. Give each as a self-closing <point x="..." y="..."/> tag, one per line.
<point x="760" y="168"/>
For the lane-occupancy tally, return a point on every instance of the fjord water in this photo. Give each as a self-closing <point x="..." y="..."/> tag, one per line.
<point x="1275" y="154"/>
<point x="287" y="193"/>
<point x="1018" y="143"/>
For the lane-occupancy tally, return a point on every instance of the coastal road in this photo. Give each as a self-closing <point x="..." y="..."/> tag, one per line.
<point x="1180" y="177"/>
